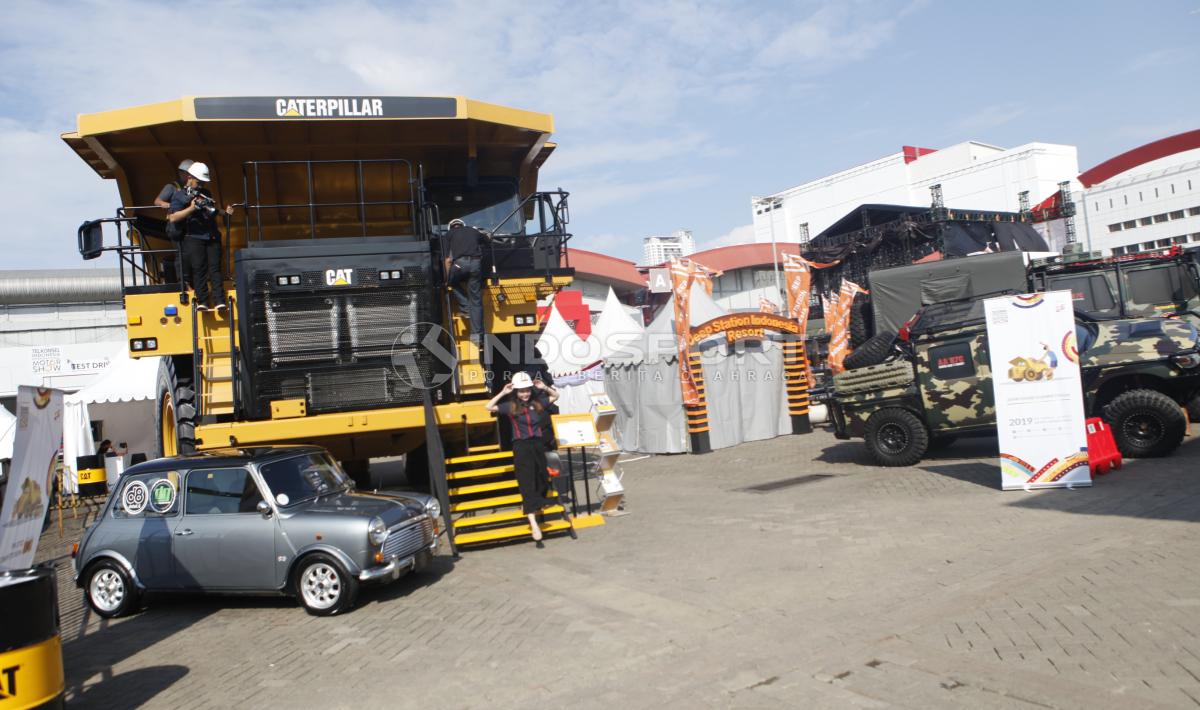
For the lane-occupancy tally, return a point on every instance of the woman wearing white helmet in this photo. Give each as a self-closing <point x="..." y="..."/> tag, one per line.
<point x="524" y="410"/>
<point x="195" y="209"/>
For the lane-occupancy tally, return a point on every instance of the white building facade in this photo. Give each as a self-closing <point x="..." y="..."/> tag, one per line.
<point x="973" y="176"/>
<point x="658" y="249"/>
<point x="1154" y="205"/>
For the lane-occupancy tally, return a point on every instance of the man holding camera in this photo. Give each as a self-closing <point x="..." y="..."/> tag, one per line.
<point x="201" y="245"/>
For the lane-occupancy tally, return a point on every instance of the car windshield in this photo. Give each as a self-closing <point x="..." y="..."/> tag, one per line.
<point x="302" y="478"/>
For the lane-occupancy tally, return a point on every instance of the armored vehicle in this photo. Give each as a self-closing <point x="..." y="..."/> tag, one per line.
<point x="935" y="382"/>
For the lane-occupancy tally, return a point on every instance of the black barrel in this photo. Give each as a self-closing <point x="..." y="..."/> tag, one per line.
<point x="31" y="667"/>
<point x="93" y="479"/>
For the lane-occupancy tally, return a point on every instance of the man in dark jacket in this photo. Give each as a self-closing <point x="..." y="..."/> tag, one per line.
<point x="464" y="272"/>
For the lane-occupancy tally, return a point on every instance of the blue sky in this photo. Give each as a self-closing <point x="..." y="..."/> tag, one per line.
<point x="669" y="114"/>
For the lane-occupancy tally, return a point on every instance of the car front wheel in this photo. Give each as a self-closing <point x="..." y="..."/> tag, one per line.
<point x="896" y="437"/>
<point x="1146" y="423"/>
<point x="110" y="591"/>
<point x="323" y="586"/>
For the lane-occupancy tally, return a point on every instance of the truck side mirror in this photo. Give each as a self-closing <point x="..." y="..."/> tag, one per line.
<point x="91" y="239"/>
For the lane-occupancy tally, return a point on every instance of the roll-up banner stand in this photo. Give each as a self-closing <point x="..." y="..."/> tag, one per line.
<point x="1039" y="396"/>
<point x="31" y="478"/>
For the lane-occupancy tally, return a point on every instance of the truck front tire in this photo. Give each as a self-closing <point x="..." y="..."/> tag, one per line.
<point x="896" y="437"/>
<point x="175" y="410"/>
<point x="1146" y="423"/>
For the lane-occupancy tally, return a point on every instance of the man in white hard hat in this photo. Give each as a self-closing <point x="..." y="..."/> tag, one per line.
<point x="164" y="195"/>
<point x="195" y="208"/>
<point x="464" y="272"/>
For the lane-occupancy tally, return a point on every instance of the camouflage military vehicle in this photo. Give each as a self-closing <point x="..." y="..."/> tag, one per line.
<point x="937" y="383"/>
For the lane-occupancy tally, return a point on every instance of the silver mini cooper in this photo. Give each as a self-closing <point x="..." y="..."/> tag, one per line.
<point x="272" y="520"/>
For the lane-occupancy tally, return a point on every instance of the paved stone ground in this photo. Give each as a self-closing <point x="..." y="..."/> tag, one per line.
<point x="924" y="587"/>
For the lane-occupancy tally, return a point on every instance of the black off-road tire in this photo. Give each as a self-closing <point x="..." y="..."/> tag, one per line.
<point x="875" y="350"/>
<point x="1145" y="423"/>
<point x="896" y="437"/>
<point x="860" y="320"/>
<point x="175" y="383"/>
<point x="318" y="567"/>
<point x="103" y="582"/>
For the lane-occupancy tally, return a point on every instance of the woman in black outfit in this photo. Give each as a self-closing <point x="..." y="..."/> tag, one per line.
<point x="524" y="411"/>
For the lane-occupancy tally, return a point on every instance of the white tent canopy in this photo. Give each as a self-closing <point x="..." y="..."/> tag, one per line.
<point x="123" y="400"/>
<point x="8" y="432"/>
<point x="615" y="328"/>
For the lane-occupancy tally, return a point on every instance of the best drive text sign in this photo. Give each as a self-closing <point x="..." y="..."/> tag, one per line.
<point x="1039" y="397"/>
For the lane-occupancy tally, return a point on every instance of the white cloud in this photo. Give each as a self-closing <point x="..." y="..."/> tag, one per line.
<point x="738" y="235"/>
<point x="629" y="84"/>
<point x="990" y="117"/>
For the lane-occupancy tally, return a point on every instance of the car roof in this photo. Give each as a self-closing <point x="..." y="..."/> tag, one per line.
<point x="224" y="457"/>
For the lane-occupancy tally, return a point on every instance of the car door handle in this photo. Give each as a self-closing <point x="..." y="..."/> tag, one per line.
<point x="183" y="533"/>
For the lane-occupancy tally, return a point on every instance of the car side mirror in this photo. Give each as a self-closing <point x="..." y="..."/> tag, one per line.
<point x="264" y="508"/>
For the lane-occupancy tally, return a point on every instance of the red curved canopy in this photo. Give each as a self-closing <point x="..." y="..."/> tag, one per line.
<point x="1141" y="155"/>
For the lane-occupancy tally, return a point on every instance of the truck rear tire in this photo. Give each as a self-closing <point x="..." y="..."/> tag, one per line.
<point x="175" y="410"/>
<point x="872" y="352"/>
<point x="896" y="437"/>
<point x="1145" y="423"/>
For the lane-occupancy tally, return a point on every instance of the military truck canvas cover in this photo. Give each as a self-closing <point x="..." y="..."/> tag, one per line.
<point x="897" y="293"/>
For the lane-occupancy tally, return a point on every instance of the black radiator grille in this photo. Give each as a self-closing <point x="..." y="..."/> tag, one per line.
<point x="333" y="346"/>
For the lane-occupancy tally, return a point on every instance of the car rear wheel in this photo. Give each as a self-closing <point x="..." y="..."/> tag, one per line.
<point x="1146" y="423"/>
<point x="323" y="586"/>
<point x="109" y="590"/>
<point x="896" y="437"/>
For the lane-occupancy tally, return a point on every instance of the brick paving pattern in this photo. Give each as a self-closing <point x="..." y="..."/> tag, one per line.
<point x="925" y="587"/>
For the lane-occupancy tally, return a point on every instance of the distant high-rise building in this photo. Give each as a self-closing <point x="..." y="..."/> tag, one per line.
<point x="656" y="250"/>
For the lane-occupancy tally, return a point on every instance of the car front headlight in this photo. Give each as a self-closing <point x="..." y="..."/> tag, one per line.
<point x="433" y="507"/>
<point x="377" y="532"/>
<point x="1187" y="361"/>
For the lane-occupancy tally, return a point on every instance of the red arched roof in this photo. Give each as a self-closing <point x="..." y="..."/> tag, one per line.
<point x="741" y="256"/>
<point x="1141" y="155"/>
<point x="602" y="267"/>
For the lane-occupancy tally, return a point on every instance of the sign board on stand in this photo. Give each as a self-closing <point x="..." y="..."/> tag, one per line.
<point x="1039" y="396"/>
<point x="35" y="453"/>
<point x="574" y="430"/>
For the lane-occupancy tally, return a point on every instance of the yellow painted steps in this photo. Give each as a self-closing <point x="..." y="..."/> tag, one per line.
<point x="494" y="502"/>
<point x="494" y="534"/>
<point x="483" y="448"/>
<point x="473" y="458"/>
<point x="478" y="521"/>
<point x="484" y="488"/>
<point x="479" y="472"/>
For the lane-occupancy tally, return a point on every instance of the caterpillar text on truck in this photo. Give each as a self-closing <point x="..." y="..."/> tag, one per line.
<point x="338" y="328"/>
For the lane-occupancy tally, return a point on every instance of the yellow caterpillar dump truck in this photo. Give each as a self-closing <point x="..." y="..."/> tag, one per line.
<point x="338" y="320"/>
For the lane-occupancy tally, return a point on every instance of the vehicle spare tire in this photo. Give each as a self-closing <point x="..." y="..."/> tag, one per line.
<point x="872" y="352"/>
<point x="1146" y="423"/>
<point x="860" y="320"/>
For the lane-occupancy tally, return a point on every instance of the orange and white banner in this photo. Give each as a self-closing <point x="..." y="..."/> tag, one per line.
<point x="838" y="324"/>
<point x="797" y="271"/>
<point x="682" y="275"/>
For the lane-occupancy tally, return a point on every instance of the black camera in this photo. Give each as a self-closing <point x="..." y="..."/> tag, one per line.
<point x="203" y="202"/>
